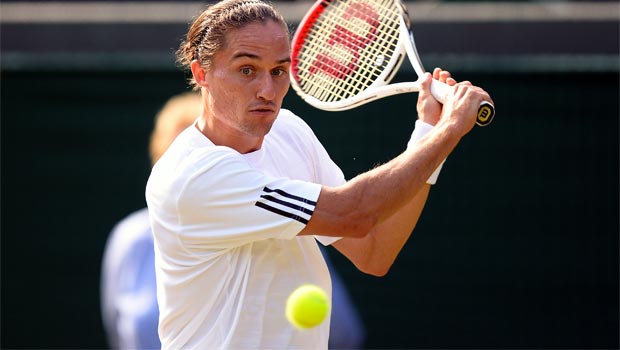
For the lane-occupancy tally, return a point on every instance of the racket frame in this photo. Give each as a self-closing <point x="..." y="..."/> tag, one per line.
<point x="381" y="86"/>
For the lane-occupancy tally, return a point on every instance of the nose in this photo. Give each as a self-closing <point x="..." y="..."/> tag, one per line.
<point x="266" y="89"/>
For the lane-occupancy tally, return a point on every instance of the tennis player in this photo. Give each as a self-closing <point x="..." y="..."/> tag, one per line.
<point x="129" y="308"/>
<point x="239" y="200"/>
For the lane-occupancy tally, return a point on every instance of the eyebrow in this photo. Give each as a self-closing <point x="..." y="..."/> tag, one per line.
<point x="254" y="56"/>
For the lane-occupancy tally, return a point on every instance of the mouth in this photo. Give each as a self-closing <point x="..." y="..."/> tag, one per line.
<point x="263" y="109"/>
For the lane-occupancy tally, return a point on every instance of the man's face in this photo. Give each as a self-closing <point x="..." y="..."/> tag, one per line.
<point x="248" y="80"/>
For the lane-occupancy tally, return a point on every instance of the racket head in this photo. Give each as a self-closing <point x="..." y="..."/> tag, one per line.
<point x="343" y="49"/>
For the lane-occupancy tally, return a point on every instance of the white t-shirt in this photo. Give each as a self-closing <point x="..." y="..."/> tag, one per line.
<point x="226" y="246"/>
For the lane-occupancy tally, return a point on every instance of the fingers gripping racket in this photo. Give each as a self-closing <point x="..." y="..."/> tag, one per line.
<point x="346" y="52"/>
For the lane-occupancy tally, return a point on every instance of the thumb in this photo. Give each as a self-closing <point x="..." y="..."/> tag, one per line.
<point x="425" y="83"/>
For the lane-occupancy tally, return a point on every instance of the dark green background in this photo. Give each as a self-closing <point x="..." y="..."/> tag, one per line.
<point x="517" y="247"/>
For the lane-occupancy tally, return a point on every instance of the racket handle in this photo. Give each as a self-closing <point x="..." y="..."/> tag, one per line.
<point x="486" y="111"/>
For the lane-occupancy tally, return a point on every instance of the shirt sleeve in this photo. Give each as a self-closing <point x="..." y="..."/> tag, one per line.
<point x="227" y="203"/>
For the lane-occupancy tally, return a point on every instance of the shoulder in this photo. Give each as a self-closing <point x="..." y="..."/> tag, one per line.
<point x="207" y="173"/>
<point x="192" y="153"/>
<point x="192" y="167"/>
<point x="293" y="130"/>
<point x="290" y="120"/>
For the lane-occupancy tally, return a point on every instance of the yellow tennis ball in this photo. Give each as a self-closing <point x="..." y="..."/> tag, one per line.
<point x="307" y="306"/>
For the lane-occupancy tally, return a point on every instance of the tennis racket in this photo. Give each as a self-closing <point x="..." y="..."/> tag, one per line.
<point x="346" y="52"/>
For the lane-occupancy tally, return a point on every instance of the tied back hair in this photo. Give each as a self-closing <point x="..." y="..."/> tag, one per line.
<point x="206" y="35"/>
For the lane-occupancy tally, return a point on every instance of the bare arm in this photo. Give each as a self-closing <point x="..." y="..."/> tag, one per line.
<point x="376" y="211"/>
<point x="371" y="204"/>
<point x="377" y="251"/>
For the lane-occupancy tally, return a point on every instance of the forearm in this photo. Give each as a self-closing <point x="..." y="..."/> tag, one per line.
<point x="381" y="192"/>
<point x="368" y="200"/>
<point x="385" y="190"/>
<point x="377" y="211"/>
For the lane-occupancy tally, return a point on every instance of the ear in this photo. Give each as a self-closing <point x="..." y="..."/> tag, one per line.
<point x="199" y="73"/>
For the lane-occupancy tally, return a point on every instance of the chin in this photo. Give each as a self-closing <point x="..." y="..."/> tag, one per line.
<point x="259" y="130"/>
<point x="267" y="128"/>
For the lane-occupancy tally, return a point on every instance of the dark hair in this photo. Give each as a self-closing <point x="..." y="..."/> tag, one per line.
<point x="206" y="35"/>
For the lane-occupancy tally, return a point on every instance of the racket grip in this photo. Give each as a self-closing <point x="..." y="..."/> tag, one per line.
<point x="486" y="111"/>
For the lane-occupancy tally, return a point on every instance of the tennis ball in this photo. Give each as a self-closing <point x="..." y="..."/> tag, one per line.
<point x="307" y="306"/>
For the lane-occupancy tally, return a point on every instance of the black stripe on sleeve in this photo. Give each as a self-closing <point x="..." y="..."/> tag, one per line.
<point x="286" y="200"/>
<point x="287" y="204"/>
<point x="288" y="195"/>
<point x="281" y="212"/>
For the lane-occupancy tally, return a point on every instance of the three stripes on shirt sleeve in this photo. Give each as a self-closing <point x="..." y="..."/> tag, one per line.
<point x="288" y="205"/>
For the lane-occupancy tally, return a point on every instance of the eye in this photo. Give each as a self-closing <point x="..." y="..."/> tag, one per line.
<point x="246" y="71"/>
<point x="278" y="72"/>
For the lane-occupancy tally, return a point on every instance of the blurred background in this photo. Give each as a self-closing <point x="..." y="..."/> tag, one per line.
<point x="517" y="247"/>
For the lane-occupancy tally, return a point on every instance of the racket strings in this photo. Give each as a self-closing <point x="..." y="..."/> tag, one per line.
<point x="323" y="86"/>
<point x="364" y="76"/>
<point x="367" y="69"/>
<point x="363" y="60"/>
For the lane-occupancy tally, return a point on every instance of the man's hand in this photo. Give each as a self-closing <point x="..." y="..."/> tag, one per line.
<point x="429" y="110"/>
<point x="460" y="108"/>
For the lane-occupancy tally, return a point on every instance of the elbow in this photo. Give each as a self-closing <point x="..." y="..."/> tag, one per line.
<point x="373" y="262"/>
<point x="356" y="215"/>
<point x="358" y="225"/>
